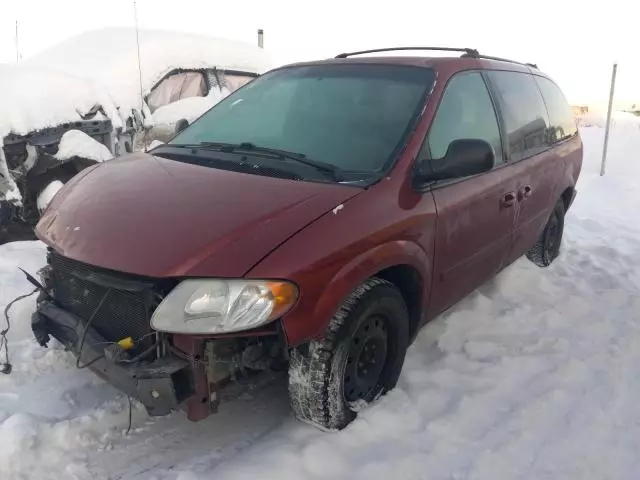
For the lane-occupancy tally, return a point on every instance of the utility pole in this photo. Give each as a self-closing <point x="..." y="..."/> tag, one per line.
<point x="606" y="129"/>
<point x="261" y="38"/>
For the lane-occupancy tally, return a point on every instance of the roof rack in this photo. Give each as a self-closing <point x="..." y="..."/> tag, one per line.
<point x="471" y="52"/>
<point x="500" y="59"/>
<point x="466" y="52"/>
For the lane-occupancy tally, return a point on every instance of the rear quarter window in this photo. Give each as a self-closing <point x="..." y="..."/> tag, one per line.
<point x="563" y="124"/>
<point x="523" y="112"/>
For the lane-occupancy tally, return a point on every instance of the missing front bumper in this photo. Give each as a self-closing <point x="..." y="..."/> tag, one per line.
<point x="161" y="385"/>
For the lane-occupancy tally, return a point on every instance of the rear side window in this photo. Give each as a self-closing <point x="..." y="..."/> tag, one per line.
<point x="563" y="125"/>
<point x="234" y="81"/>
<point x="465" y="112"/>
<point x="176" y="87"/>
<point x="523" y="112"/>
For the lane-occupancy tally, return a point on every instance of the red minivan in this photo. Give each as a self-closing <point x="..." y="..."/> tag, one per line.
<point x="313" y="220"/>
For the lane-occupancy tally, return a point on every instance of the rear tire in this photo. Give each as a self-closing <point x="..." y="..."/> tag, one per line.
<point x="359" y="358"/>
<point x="547" y="248"/>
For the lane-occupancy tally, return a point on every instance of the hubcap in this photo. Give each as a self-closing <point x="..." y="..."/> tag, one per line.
<point x="366" y="360"/>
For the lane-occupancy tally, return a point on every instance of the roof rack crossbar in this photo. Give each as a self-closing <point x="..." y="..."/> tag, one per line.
<point x="470" y="52"/>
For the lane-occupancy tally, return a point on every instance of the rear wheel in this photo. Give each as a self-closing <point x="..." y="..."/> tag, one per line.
<point x="547" y="248"/>
<point x="359" y="358"/>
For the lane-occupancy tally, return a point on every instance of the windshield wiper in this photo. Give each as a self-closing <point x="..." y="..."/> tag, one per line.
<point x="334" y="172"/>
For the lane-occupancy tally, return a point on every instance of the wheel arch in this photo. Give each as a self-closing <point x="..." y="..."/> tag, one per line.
<point x="410" y="283"/>
<point x="402" y="263"/>
<point x="567" y="197"/>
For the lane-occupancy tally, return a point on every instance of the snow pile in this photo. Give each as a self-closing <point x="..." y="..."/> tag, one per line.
<point x="8" y="188"/>
<point x="76" y="143"/>
<point x="532" y="376"/>
<point x="154" y="144"/>
<point x="109" y="56"/>
<point x="189" y="108"/>
<point x="45" y="197"/>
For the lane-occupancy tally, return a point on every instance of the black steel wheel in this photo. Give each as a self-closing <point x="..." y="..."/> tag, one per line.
<point x="359" y="358"/>
<point x="366" y="360"/>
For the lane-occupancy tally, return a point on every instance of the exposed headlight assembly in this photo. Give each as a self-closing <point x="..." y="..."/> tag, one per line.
<point x="221" y="306"/>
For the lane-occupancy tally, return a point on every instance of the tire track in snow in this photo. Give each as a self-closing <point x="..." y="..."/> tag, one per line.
<point x="157" y="449"/>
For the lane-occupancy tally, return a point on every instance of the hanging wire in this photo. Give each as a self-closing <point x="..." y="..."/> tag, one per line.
<point x="130" y="408"/>
<point x="5" y="367"/>
<point x="84" y="334"/>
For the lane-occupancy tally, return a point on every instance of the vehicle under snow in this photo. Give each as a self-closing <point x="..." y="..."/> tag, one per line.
<point x="93" y="83"/>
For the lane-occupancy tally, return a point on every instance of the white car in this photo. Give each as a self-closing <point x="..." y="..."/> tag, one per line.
<point x="88" y="99"/>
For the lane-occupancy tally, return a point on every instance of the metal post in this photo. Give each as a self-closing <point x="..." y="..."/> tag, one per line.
<point x="17" y="45"/>
<point x="261" y="38"/>
<point x="606" y="128"/>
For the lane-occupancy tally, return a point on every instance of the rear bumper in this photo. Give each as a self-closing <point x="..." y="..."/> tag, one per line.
<point x="159" y="384"/>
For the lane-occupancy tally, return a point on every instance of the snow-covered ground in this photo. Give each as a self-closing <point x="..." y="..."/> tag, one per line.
<point x="533" y="376"/>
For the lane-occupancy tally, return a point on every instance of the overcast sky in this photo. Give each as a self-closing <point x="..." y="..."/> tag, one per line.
<point x="572" y="41"/>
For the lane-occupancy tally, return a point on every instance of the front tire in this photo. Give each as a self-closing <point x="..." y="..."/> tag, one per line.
<point x="359" y="358"/>
<point x="547" y="248"/>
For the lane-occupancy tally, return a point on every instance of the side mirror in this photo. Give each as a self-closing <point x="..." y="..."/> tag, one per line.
<point x="464" y="157"/>
<point x="181" y="125"/>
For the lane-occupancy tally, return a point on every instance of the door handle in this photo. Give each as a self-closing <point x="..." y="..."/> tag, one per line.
<point x="524" y="192"/>
<point x="508" y="199"/>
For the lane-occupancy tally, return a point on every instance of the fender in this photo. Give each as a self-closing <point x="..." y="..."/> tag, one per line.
<point x="298" y="325"/>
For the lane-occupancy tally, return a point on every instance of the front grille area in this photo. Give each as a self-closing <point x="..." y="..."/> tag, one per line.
<point x="126" y="312"/>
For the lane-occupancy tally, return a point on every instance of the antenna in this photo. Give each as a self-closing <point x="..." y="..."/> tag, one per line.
<point x="17" y="44"/>
<point x="135" y="16"/>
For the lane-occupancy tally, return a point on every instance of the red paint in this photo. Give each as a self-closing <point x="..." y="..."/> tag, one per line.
<point x="198" y="405"/>
<point x="160" y="218"/>
<point x="156" y="217"/>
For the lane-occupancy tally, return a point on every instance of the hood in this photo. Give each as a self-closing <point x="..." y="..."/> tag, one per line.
<point x="155" y="217"/>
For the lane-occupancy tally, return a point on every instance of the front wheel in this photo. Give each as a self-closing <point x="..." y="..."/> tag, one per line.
<point x="547" y="248"/>
<point x="359" y="358"/>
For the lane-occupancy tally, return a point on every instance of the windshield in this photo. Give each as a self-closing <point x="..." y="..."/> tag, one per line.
<point x="354" y="117"/>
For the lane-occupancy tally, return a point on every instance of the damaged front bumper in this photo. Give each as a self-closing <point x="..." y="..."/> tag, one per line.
<point x="161" y="385"/>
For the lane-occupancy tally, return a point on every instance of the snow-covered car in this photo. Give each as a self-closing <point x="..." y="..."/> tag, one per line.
<point x="90" y="98"/>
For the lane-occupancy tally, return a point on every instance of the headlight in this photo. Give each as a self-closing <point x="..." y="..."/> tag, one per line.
<point x="222" y="306"/>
